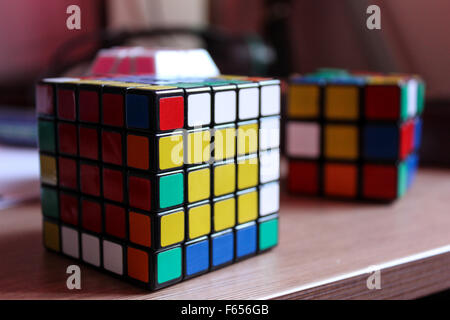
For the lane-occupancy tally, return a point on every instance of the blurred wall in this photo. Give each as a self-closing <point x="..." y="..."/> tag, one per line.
<point x="414" y="35"/>
<point x="30" y="31"/>
<point x="136" y="14"/>
<point x="141" y="14"/>
<point x="413" y="38"/>
<point x="424" y="40"/>
<point x="237" y="16"/>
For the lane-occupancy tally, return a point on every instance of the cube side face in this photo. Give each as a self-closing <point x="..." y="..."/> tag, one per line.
<point x="156" y="183"/>
<point x="340" y="128"/>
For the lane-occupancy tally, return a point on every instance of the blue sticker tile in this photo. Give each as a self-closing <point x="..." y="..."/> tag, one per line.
<point x="197" y="257"/>
<point x="412" y="164"/>
<point x="246" y="241"/>
<point x="222" y="249"/>
<point x="137" y="111"/>
<point x="417" y="133"/>
<point x="381" y="142"/>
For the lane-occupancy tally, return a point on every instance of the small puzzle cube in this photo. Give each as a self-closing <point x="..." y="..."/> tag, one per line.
<point x="161" y="63"/>
<point x="353" y="136"/>
<point x="157" y="181"/>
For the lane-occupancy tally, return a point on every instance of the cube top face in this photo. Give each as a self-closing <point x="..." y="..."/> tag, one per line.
<point x="159" y="180"/>
<point x="355" y="97"/>
<point x="339" y="123"/>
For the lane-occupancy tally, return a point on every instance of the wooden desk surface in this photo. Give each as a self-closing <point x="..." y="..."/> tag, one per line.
<point x="324" y="252"/>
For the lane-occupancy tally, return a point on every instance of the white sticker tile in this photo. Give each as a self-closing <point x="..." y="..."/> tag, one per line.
<point x="269" y="198"/>
<point x="225" y="106"/>
<point x="412" y="97"/>
<point x="248" y="103"/>
<point x="269" y="165"/>
<point x="303" y="139"/>
<point x="69" y="239"/>
<point x="90" y="247"/>
<point x="269" y="133"/>
<point x="61" y="80"/>
<point x="112" y="257"/>
<point x="199" y="109"/>
<point x="192" y="63"/>
<point x="270" y="100"/>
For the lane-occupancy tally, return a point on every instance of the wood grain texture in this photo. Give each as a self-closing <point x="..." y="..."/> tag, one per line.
<point x="324" y="252"/>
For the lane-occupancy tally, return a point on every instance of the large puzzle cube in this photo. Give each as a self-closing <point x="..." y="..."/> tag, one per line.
<point x="353" y="136"/>
<point x="157" y="181"/>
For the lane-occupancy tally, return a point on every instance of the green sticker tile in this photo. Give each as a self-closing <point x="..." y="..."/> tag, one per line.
<point x="403" y="102"/>
<point x="420" y="97"/>
<point x="187" y="85"/>
<point x="402" y="179"/>
<point x="329" y="73"/>
<point x="239" y="81"/>
<point x="171" y="190"/>
<point x="49" y="201"/>
<point x="217" y="83"/>
<point x="46" y="134"/>
<point x="169" y="265"/>
<point x="268" y="234"/>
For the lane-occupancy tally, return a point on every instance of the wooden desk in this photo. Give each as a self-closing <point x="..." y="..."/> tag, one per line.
<point x="325" y="250"/>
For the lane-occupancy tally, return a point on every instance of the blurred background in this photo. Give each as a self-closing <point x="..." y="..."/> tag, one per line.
<point x="252" y="37"/>
<point x="267" y="37"/>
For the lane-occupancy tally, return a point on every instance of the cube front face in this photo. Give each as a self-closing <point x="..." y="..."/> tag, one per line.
<point x="352" y="136"/>
<point x="157" y="184"/>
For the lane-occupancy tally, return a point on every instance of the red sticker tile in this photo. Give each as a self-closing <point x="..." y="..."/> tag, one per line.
<point x="139" y="193"/>
<point x="382" y="102"/>
<point x="113" y="184"/>
<point x="68" y="207"/>
<point x="340" y="179"/>
<point x="406" y="139"/>
<point x="88" y="140"/>
<point x="112" y="109"/>
<point x="103" y="65"/>
<point x="171" y="113"/>
<point x="67" y="135"/>
<point x="137" y="264"/>
<point x="303" y="177"/>
<point x="145" y="65"/>
<point x="380" y="182"/>
<point x="44" y="99"/>
<point x="115" y="221"/>
<point x="138" y="152"/>
<point x="67" y="172"/>
<point x="140" y="229"/>
<point x="91" y="215"/>
<point x="90" y="179"/>
<point x="89" y="110"/>
<point x="112" y="147"/>
<point x="124" y="66"/>
<point x="66" y="104"/>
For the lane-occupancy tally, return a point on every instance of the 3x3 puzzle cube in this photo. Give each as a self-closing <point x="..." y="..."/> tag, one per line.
<point x="353" y="136"/>
<point x="159" y="181"/>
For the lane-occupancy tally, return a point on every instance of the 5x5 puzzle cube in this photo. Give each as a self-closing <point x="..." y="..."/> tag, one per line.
<point x="159" y="181"/>
<point x="353" y="136"/>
